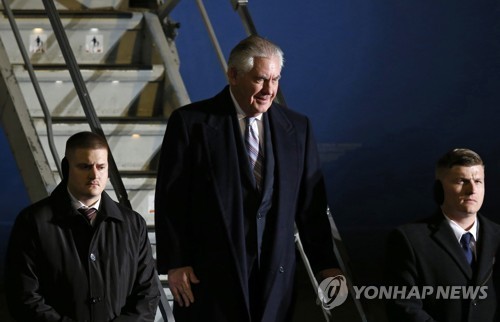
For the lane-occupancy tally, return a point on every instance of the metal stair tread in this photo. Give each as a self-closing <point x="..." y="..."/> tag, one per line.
<point x="155" y="73"/>
<point x="69" y="13"/>
<point x="82" y="5"/>
<point x="132" y="21"/>
<point x="111" y="129"/>
<point x="63" y="66"/>
<point x="112" y="119"/>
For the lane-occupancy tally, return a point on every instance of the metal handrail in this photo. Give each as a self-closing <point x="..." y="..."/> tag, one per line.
<point x="84" y="96"/>
<point x="36" y="85"/>
<point x="212" y="35"/>
<point x="165" y="8"/>
<point x="241" y="7"/>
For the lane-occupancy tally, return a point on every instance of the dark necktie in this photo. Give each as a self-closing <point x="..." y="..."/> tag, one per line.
<point x="89" y="213"/>
<point x="465" y="241"/>
<point x="253" y="148"/>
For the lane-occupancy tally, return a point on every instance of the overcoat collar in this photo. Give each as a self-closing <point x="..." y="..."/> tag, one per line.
<point x="444" y="236"/>
<point x="63" y="210"/>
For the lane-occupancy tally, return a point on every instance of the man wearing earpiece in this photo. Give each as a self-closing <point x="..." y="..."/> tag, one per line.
<point x="447" y="261"/>
<point x="77" y="255"/>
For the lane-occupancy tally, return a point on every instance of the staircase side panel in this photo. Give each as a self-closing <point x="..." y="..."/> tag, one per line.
<point x="20" y="131"/>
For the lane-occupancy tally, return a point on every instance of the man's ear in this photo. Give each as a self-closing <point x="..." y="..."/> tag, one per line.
<point x="231" y="75"/>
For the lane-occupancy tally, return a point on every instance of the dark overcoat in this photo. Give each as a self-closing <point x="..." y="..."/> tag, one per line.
<point x="428" y="254"/>
<point x="59" y="268"/>
<point x="202" y="209"/>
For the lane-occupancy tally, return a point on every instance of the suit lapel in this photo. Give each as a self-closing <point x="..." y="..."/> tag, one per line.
<point x="286" y="155"/>
<point x="222" y="142"/>
<point x="268" y="166"/>
<point x="486" y="250"/>
<point x="446" y="239"/>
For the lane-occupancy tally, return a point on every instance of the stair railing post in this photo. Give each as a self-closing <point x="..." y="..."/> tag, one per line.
<point x="36" y="85"/>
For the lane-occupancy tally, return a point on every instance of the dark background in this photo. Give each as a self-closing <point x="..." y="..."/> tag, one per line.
<point x="389" y="86"/>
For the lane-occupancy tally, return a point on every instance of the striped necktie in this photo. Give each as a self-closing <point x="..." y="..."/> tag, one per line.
<point x="89" y="213"/>
<point x="253" y="149"/>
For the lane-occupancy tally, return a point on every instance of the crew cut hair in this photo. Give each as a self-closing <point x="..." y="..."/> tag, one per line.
<point x="85" y="140"/>
<point x="457" y="157"/>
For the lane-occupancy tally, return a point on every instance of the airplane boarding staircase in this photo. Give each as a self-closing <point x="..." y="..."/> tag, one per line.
<point x="131" y="73"/>
<point x="109" y="66"/>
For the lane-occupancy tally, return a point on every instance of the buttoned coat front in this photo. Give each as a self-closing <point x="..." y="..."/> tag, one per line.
<point x="60" y="269"/>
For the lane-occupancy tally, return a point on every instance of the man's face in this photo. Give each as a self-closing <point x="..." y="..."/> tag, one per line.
<point x="255" y="90"/>
<point x="88" y="174"/>
<point x="463" y="190"/>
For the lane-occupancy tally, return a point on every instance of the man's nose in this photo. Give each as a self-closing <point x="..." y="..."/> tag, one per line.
<point x="472" y="188"/>
<point x="267" y="88"/>
<point x="93" y="172"/>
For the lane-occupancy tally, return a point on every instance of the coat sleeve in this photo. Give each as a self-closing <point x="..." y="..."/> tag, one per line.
<point x="401" y="271"/>
<point x="171" y="197"/>
<point x="24" y="299"/>
<point x="312" y="219"/>
<point x="142" y="302"/>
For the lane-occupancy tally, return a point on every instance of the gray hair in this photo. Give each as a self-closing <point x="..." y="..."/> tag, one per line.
<point x="242" y="56"/>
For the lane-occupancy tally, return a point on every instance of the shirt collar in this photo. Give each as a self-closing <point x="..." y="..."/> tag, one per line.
<point x="239" y="112"/>
<point x="459" y="231"/>
<point x="77" y="204"/>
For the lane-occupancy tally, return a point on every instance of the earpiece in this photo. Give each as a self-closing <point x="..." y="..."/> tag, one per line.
<point x="438" y="192"/>
<point x="65" y="168"/>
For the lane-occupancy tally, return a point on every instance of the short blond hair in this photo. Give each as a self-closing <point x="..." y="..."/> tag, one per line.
<point x="458" y="156"/>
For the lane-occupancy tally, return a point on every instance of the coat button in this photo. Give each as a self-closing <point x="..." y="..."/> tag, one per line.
<point x="259" y="215"/>
<point x="95" y="300"/>
<point x="92" y="257"/>
<point x="282" y="269"/>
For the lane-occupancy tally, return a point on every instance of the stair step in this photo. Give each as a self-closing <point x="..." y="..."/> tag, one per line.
<point x="68" y="5"/>
<point x="113" y="92"/>
<point x="71" y="13"/>
<point x="98" y="73"/>
<point x="134" y="146"/>
<point x="111" y="120"/>
<point x="123" y="129"/>
<point x="142" y="201"/>
<point x="118" y="40"/>
<point x="141" y="193"/>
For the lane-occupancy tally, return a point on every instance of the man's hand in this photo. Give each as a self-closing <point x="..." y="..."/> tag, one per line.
<point x="330" y="272"/>
<point x="179" y="282"/>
